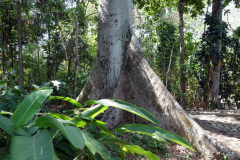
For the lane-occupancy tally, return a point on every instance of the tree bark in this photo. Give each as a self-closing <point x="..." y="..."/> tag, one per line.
<point x="217" y="13"/>
<point x="49" y="66"/>
<point x="207" y="86"/>
<point x="76" y="56"/>
<point x="4" y="53"/>
<point x="19" y="17"/>
<point x="120" y="71"/>
<point x="182" y="68"/>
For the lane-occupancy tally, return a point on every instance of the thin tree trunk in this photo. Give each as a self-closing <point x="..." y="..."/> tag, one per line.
<point x="120" y="71"/>
<point x="69" y="63"/>
<point x="182" y="68"/>
<point x="19" y="17"/>
<point x="76" y="57"/>
<point x="217" y="13"/>
<point x="169" y="66"/>
<point x="49" y="59"/>
<point x="206" y="101"/>
<point x="4" y="52"/>
<point x="38" y="50"/>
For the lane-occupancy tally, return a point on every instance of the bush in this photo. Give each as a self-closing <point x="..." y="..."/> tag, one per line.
<point x="44" y="136"/>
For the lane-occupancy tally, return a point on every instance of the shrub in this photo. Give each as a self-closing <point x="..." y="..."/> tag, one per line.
<point x="39" y="136"/>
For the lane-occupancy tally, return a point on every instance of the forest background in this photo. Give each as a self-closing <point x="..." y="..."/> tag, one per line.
<point x="54" y="43"/>
<point x="51" y="50"/>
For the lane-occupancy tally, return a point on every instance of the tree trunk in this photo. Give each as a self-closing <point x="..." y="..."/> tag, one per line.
<point x="120" y="71"/>
<point x="217" y="13"/>
<point x="19" y="17"/>
<point x="207" y="86"/>
<point x="76" y="57"/>
<point x="182" y="68"/>
<point x="4" y="53"/>
<point x="38" y="50"/>
<point x="49" y="70"/>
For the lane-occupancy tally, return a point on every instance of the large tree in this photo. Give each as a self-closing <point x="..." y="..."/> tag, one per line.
<point x="120" y="71"/>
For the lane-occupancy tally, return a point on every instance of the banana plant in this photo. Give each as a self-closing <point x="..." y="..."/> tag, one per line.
<point x="38" y="136"/>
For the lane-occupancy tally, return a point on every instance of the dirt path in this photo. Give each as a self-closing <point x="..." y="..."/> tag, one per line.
<point x="222" y="125"/>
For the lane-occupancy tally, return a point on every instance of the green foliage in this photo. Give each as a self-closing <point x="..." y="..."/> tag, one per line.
<point x="125" y="106"/>
<point x="41" y="146"/>
<point x="209" y="39"/>
<point x="11" y="98"/>
<point x="48" y="41"/>
<point x="67" y="99"/>
<point x="194" y="7"/>
<point x="167" y="38"/>
<point x="155" y="132"/>
<point x="39" y="137"/>
<point x="29" y="106"/>
<point x="147" y="142"/>
<point x="229" y="59"/>
<point x="186" y="157"/>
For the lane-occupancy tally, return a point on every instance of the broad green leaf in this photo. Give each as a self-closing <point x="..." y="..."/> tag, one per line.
<point x="79" y="122"/>
<point x="100" y="125"/>
<point x="139" y="150"/>
<point x="55" y="157"/>
<point x="29" y="106"/>
<point x="95" y="146"/>
<point x="16" y="92"/>
<point x="2" y="86"/>
<point x="2" y="82"/>
<point x="100" y="122"/>
<point x="125" y="106"/>
<point x="94" y="111"/>
<point x="72" y="133"/>
<point x="8" y="113"/>
<point x="20" y="89"/>
<point x="155" y="132"/>
<point x="32" y="129"/>
<point x="117" y="149"/>
<point x="130" y="152"/>
<point x="98" y="156"/>
<point x="22" y="131"/>
<point x="38" y="147"/>
<point x="77" y="109"/>
<point x="116" y="141"/>
<point x="67" y="99"/>
<point x="67" y="148"/>
<point x="6" y="125"/>
<point x="75" y="134"/>
<point x="60" y="116"/>
<point x="66" y="122"/>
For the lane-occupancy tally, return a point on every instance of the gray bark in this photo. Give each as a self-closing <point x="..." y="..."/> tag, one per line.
<point x="182" y="69"/>
<point x="120" y="71"/>
<point x="114" y="35"/>
<point x="19" y="17"/>
<point x="217" y="13"/>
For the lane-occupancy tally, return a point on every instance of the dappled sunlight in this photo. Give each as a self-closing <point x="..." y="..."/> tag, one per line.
<point x="221" y="125"/>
